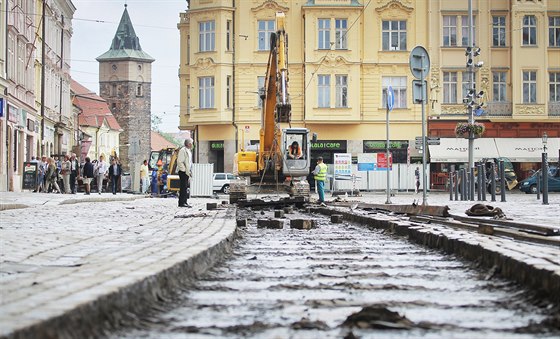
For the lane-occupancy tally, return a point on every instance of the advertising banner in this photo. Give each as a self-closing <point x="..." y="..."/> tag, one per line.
<point x="342" y="164"/>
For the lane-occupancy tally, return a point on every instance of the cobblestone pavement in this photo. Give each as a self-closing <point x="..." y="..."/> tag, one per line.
<point x="57" y="256"/>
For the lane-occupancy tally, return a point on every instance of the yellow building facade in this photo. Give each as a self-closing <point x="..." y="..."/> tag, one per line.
<point x="343" y="55"/>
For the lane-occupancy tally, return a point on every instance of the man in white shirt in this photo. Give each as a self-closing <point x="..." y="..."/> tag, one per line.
<point x="184" y="166"/>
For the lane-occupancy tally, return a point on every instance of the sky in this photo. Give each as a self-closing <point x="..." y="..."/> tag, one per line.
<point x="155" y="23"/>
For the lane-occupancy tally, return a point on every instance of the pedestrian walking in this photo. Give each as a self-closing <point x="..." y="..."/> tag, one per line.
<point x="37" y="163"/>
<point x="87" y="175"/>
<point x="115" y="171"/>
<point x="74" y="173"/>
<point x="52" y="176"/>
<point x="100" y="172"/>
<point x="65" y="172"/>
<point x="184" y="167"/>
<point x="144" y="176"/>
<point x="320" y="176"/>
<point x="417" y="179"/>
<point x="42" y="175"/>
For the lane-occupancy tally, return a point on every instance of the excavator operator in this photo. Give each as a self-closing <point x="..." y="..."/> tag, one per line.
<point x="294" y="151"/>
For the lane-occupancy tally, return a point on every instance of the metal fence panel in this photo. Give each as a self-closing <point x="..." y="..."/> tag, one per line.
<point x="201" y="182"/>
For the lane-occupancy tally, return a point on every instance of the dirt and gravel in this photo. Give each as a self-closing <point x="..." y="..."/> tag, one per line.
<point x="344" y="280"/>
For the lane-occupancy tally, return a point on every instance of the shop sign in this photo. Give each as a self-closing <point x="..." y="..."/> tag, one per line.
<point x="29" y="175"/>
<point x="381" y="144"/>
<point x="329" y="145"/>
<point x="30" y="125"/>
<point x="217" y="145"/>
<point x="12" y="113"/>
<point x="1" y="107"/>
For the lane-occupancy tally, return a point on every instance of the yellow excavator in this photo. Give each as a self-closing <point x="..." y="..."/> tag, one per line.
<point x="282" y="159"/>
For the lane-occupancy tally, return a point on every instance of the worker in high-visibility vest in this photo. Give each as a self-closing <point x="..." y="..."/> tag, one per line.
<point x="320" y="176"/>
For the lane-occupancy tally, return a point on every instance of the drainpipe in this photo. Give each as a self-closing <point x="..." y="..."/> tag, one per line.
<point x="6" y="105"/>
<point x="61" y="66"/>
<point x="233" y="81"/>
<point x="43" y="48"/>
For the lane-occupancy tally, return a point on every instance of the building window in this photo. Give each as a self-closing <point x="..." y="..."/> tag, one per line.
<point x="11" y="57"/>
<point x="21" y="64"/>
<point x="341" y="90"/>
<point x="340" y="34"/>
<point x="529" y="87"/>
<point x="465" y="85"/>
<point x="114" y="90"/>
<point x="394" y="35"/>
<point x="498" y="31"/>
<point x="228" y="35"/>
<point x="449" y="30"/>
<point x="499" y="86"/>
<point x="266" y="27"/>
<point x="113" y="107"/>
<point x="206" y="92"/>
<point x="529" y="30"/>
<point x="260" y="89"/>
<point x="228" y="91"/>
<point x="324" y="33"/>
<point x="324" y="91"/>
<point x="139" y="90"/>
<point x="554" y="86"/>
<point x="465" y="30"/>
<point x="554" y="31"/>
<point x="207" y="36"/>
<point x="399" y="89"/>
<point x="449" y="87"/>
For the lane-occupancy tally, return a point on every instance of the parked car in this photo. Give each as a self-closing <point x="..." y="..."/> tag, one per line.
<point x="529" y="185"/>
<point x="221" y="181"/>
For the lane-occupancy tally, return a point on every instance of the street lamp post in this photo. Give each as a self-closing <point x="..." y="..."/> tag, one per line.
<point x="544" y="170"/>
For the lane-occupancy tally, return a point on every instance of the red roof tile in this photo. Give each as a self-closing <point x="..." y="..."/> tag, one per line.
<point x="94" y="109"/>
<point x="159" y="142"/>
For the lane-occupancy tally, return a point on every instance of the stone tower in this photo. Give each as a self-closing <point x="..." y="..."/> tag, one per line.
<point x="125" y="76"/>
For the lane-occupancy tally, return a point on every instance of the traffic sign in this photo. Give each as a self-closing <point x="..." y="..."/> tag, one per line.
<point x="433" y="141"/>
<point x="417" y="96"/>
<point x="419" y="62"/>
<point x="390" y="98"/>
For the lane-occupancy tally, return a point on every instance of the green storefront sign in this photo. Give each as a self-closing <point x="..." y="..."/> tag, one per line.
<point x="217" y="145"/>
<point x="329" y="145"/>
<point x="380" y="144"/>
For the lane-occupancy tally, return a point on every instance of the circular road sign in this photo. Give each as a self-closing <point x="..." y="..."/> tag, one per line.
<point x="419" y="62"/>
<point x="390" y="98"/>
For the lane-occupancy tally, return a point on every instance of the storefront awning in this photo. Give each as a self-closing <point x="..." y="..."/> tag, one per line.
<point x="455" y="150"/>
<point x="527" y="149"/>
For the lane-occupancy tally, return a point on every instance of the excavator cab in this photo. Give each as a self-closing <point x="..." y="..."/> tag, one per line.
<point x="296" y="150"/>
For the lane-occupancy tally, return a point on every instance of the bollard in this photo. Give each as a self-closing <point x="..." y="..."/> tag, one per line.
<point x="463" y="185"/>
<point x="544" y="172"/>
<point x="493" y="181"/>
<point x="456" y="186"/>
<point x="538" y="185"/>
<point x="484" y="183"/>
<point x="478" y="182"/>
<point x="472" y="183"/>
<point x="503" y="181"/>
<point x="450" y="182"/>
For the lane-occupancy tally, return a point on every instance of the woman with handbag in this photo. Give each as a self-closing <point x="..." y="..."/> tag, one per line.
<point x="52" y="176"/>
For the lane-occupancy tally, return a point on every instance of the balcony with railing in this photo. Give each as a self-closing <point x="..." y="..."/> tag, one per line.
<point x="499" y="109"/>
<point x="554" y="109"/>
